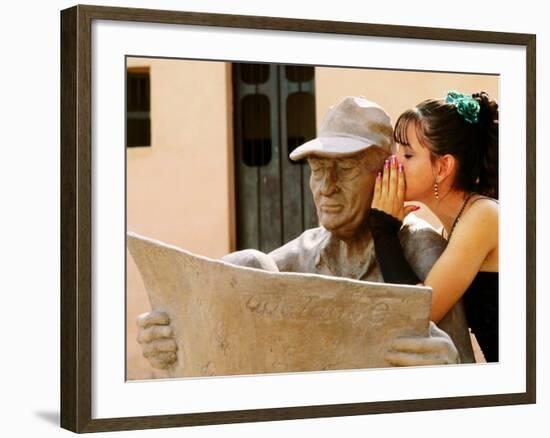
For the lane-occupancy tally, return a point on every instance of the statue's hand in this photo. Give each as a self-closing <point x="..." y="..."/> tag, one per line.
<point x="435" y="349"/>
<point x="157" y="339"/>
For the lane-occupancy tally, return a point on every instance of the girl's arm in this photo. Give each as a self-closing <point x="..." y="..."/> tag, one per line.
<point x="474" y="238"/>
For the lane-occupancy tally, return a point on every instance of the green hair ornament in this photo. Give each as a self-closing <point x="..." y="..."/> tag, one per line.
<point x="465" y="105"/>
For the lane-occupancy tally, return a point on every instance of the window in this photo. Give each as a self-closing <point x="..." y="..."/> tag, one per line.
<point x="138" y="107"/>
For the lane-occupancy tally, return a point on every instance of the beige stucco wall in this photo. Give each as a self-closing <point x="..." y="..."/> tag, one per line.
<point x="180" y="190"/>
<point x="394" y="90"/>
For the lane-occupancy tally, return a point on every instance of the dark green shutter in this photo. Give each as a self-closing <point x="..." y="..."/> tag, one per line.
<point x="274" y="111"/>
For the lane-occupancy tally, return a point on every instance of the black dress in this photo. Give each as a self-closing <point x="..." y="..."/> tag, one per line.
<point x="481" y="305"/>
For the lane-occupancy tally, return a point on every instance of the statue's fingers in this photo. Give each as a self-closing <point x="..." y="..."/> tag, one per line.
<point x="154" y="348"/>
<point x="401" y="359"/>
<point x="163" y="360"/>
<point x="420" y="345"/>
<point x="155" y="332"/>
<point x="156" y="317"/>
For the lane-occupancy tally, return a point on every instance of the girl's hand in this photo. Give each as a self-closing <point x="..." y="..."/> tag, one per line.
<point x="389" y="190"/>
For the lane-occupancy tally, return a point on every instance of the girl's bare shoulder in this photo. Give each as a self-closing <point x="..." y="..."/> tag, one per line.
<point x="480" y="220"/>
<point x="483" y="208"/>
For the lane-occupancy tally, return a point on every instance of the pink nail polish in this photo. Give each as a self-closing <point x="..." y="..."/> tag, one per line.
<point x="400" y="168"/>
<point x="379" y="175"/>
<point x="386" y="164"/>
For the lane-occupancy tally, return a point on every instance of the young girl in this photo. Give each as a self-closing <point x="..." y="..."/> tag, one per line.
<point x="447" y="160"/>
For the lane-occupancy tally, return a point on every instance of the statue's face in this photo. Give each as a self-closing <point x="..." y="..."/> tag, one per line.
<point x="342" y="189"/>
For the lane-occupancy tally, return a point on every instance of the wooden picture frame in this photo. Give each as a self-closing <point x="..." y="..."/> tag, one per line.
<point x="76" y="217"/>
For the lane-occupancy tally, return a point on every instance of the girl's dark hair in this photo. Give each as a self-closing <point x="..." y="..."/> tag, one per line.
<point x="441" y="129"/>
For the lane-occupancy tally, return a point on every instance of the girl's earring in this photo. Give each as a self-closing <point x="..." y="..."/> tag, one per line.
<point x="436" y="190"/>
